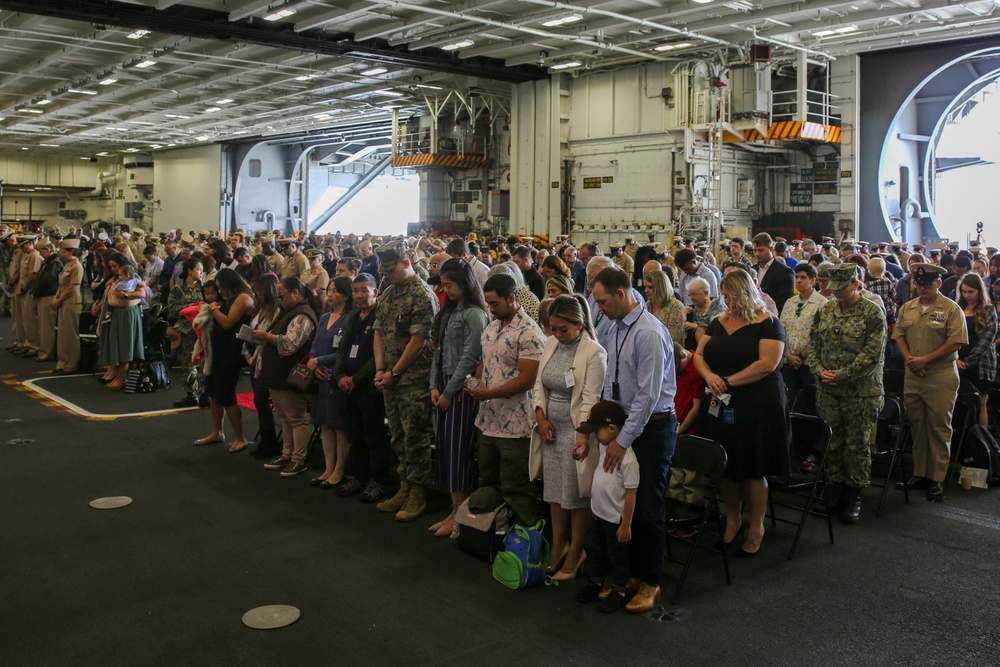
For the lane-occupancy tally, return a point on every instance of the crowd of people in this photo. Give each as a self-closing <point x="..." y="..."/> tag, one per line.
<point x="462" y="365"/>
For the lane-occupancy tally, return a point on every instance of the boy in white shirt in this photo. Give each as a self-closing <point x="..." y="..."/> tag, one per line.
<point x="612" y="500"/>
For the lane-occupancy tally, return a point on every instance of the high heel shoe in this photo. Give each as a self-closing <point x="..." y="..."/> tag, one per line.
<point x="570" y="576"/>
<point x="743" y="553"/>
<point x="555" y="564"/>
<point x="104" y="380"/>
<point x="115" y="385"/>
<point x="722" y="544"/>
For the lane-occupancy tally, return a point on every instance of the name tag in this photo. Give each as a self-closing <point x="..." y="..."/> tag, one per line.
<point x="354" y="352"/>
<point x="570" y="380"/>
<point x="336" y="340"/>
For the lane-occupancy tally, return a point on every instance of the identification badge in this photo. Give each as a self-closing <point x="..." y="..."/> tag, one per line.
<point x="354" y="351"/>
<point x="570" y="380"/>
<point x="616" y="394"/>
<point x="728" y="417"/>
<point x="337" y="339"/>
<point x="714" y="406"/>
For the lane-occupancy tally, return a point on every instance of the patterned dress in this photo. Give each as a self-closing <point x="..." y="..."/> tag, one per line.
<point x="558" y="466"/>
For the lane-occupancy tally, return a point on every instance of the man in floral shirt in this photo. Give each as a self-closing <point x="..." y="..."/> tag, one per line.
<point x="512" y="348"/>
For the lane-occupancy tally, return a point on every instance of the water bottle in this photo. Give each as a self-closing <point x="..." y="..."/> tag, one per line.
<point x="471" y="382"/>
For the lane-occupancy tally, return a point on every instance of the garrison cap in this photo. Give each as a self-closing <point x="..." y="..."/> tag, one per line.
<point x="927" y="274"/>
<point x="842" y="275"/>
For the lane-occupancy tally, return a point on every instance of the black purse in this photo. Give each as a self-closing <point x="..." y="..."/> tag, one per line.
<point x="302" y="379"/>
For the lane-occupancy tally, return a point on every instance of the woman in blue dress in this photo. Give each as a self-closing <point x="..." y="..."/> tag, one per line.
<point x="328" y="406"/>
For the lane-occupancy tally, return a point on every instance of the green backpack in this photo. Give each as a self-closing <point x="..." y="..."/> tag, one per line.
<point x="526" y="556"/>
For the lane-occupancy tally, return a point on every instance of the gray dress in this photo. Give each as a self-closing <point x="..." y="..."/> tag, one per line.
<point x="558" y="467"/>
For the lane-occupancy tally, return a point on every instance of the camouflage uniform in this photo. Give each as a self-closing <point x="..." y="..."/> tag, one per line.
<point x="182" y="296"/>
<point x="408" y="310"/>
<point x="853" y="344"/>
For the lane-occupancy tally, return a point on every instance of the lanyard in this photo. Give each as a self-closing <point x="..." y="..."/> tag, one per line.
<point x="620" y="346"/>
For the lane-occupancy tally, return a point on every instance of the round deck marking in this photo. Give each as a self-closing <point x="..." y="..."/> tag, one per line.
<point x="111" y="502"/>
<point x="271" y="616"/>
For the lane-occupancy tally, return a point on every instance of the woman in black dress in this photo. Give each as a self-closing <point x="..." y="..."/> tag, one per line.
<point x="227" y="357"/>
<point x="740" y="356"/>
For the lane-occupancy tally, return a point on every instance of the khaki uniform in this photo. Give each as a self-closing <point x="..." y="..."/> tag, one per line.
<point x="316" y="279"/>
<point x="276" y="261"/>
<point x="851" y="343"/>
<point x="408" y="310"/>
<point x="930" y="400"/>
<point x="625" y="263"/>
<point x="68" y="334"/>
<point x="30" y="264"/>
<point x="294" y="266"/>
<point x="631" y="249"/>
<point x="14" y="274"/>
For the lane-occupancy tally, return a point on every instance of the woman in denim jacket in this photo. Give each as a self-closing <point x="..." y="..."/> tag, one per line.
<point x="458" y="351"/>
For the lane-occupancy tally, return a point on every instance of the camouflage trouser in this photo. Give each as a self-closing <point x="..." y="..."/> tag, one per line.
<point x="409" y="411"/>
<point x="851" y="418"/>
<point x="194" y="378"/>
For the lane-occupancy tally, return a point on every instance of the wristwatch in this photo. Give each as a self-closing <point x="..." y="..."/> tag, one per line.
<point x="394" y="374"/>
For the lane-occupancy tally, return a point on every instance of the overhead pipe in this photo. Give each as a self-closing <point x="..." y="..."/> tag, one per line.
<point x="98" y="190"/>
<point x="323" y="217"/>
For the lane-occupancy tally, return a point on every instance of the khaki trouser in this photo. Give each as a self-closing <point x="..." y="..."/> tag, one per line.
<point x="46" y="328"/>
<point x="930" y="402"/>
<point x="68" y="337"/>
<point x="29" y="313"/>
<point x="17" y="321"/>
<point x="290" y="409"/>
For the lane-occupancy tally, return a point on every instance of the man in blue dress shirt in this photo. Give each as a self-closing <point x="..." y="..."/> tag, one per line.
<point x="640" y="378"/>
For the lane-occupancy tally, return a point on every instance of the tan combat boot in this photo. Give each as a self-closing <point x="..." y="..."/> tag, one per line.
<point x="415" y="505"/>
<point x="395" y="503"/>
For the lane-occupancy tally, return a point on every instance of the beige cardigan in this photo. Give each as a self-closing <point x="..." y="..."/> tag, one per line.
<point x="589" y="367"/>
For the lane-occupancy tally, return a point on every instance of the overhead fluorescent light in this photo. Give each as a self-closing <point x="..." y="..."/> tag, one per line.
<point x="823" y="33"/>
<point x="387" y="93"/>
<point x="373" y="71"/>
<point x="155" y="146"/>
<point x="278" y="15"/>
<point x="702" y="2"/>
<point x="144" y="64"/>
<point x="566" y="65"/>
<point x="842" y="30"/>
<point x="50" y="145"/>
<point x="306" y="77"/>
<point x="563" y="20"/>
<point x="82" y="91"/>
<point x="84" y="158"/>
<point x="322" y="116"/>
<point x="846" y="29"/>
<point x="671" y="47"/>
<point x="740" y="6"/>
<point x="173" y="115"/>
<point x="203" y="137"/>
<point x="212" y="109"/>
<point x="31" y="111"/>
<point x="140" y="122"/>
<point x="42" y="103"/>
<point x="225" y="100"/>
<point x="429" y="86"/>
<point x="458" y="45"/>
<point x="138" y="34"/>
<point x="108" y="81"/>
<point x="103" y="154"/>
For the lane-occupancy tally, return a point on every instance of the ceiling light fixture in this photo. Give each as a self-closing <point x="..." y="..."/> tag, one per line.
<point x="458" y="45"/>
<point x="225" y="100"/>
<point x="566" y="65"/>
<point x="103" y="154"/>
<point x="155" y="146"/>
<point x="50" y="145"/>
<point x="31" y="111"/>
<point x="373" y="71"/>
<point x="563" y="20"/>
<point x="203" y="137"/>
<point x="173" y="115"/>
<point x="387" y="93"/>
<point x="835" y="31"/>
<point x="144" y="64"/>
<point x="278" y="15"/>
<point x="702" y="2"/>
<point x="140" y="122"/>
<point x="671" y="47"/>
<point x="138" y="34"/>
<point x="212" y="109"/>
<point x="82" y="91"/>
<point x="85" y="158"/>
<point x="107" y="82"/>
<point x="428" y="86"/>
<point x="42" y="103"/>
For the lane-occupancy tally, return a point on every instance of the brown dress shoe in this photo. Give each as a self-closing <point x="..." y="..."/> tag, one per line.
<point x="644" y="599"/>
<point x="630" y="589"/>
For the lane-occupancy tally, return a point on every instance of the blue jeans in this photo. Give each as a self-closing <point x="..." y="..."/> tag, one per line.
<point x="607" y="555"/>
<point x="262" y="403"/>
<point x="653" y="450"/>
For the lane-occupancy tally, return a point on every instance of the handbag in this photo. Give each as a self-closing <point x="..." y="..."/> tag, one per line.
<point x="302" y="379"/>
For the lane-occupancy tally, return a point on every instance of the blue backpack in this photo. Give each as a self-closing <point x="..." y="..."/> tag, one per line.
<point x="523" y="563"/>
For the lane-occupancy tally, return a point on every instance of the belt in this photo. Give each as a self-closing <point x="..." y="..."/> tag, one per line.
<point x="661" y="415"/>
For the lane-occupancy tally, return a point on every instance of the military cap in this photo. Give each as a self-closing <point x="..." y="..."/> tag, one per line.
<point x="975" y="248"/>
<point x="287" y="241"/>
<point x="69" y="244"/>
<point x="927" y="274"/>
<point x="780" y="239"/>
<point x="6" y="234"/>
<point x="616" y="245"/>
<point x="660" y="249"/>
<point x="187" y="238"/>
<point x="689" y="239"/>
<point x="896" y="244"/>
<point x="954" y="245"/>
<point x="267" y="238"/>
<point x="26" y="238"/>
<point x="990" y="248"/>
<point x="827" y="239"/>
<point x="842" y="275"/>
<point x="314" y="253"/>
<point x="629" y="239"/>
<point x="919" y="247"/>
<point x="390" y="254"/>
<point x="940" y="245"/>
<point x="472" y="237"/>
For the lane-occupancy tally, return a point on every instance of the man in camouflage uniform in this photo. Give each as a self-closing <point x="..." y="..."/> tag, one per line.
<point x="402" y="365"/>
<point x="846" y="351"/>
<point x="8" y="246"/>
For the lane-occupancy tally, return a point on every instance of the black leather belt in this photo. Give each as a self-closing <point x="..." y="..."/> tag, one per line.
<point x="661" y="415"/>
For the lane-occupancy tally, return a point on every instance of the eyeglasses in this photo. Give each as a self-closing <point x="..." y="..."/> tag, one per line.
<point x="282" y="295"/>
<point x="434" y="265"/>
<point x="798" y="309"/>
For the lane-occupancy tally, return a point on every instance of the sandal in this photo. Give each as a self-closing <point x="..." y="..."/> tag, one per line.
<point x="237" y="446"/>
<point x="209" y="440"/>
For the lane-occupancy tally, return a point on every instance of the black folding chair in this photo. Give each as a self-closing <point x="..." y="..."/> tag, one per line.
<point x="805" y="401"/>
<point x="695" y="505"/>
<point x="966" y="414"/>
<point x="810" y="441"/>
<point x="892" y="434"/>
<point x="156" y="340"/>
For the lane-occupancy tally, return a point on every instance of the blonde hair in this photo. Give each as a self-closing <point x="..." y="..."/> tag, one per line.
<point x="561" y="283"/>
<point x="543" y="315"/>
<point x="574" y="309"/>
<point x="743" y="300"/>
<point x="876" y="267"/>
<point x="663" y="291"/>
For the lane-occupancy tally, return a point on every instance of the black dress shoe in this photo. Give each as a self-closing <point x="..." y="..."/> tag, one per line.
<point x="105" y="380"/>
<point x="935" y="491"/>
<point x="315" y="481"/>
<point x="743" y="553"/>
<point x="851" y="510"/>
<point x="189" y="401"/>
<point x="914" y="483"/>
<point x="328" y="485"/>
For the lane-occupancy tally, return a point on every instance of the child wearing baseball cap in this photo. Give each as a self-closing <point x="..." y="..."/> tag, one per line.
<point x="612" y="500"/>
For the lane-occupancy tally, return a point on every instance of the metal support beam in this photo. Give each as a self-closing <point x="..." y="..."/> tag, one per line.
<point x="209" y="24"/>
<point x="323" y="217"/>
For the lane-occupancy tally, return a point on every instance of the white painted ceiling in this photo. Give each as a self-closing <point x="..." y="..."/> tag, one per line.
<point x="226" y="69"/>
